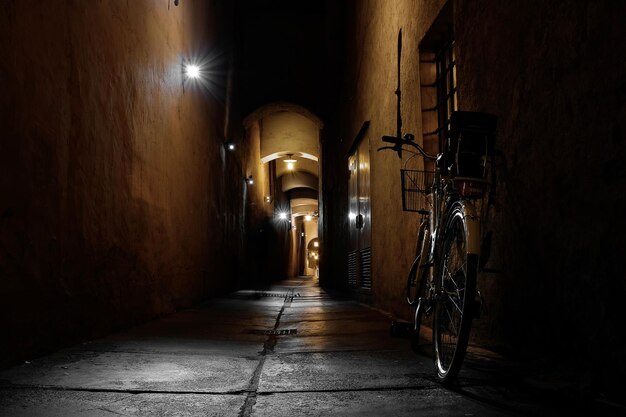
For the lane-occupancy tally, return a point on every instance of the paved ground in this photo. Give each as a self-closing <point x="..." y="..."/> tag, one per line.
<point x="289" y="351"/>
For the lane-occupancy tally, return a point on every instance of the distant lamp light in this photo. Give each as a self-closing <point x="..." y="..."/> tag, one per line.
<point x="268" y="198"/>
<point x="192" y="71"/>
<point x="290" y="162"/>
<point x="308" y="218"/>
<point x="316" y="244"/>
<point x="250" y="180"/>
<point x="282" y="215"/>
<point x="229" y="145"/>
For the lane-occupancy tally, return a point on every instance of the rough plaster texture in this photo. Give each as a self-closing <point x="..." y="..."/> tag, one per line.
<point x="551" y="73"/>
<point x="368" y="95"/>
<point x="117" y="202"/>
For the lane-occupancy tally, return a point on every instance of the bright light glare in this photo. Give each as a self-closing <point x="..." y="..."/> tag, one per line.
<point x="308" y="217"/>
<point x="192" y="71"/>
<point x="290" y="166"/>
<point x="316" y="244"/>
<point x="282" y="215"/>
<point x="231" y="146"/>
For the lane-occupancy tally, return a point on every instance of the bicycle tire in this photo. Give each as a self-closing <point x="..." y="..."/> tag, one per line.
<point x="415" y="281"/>
<point x="456" y="289"/>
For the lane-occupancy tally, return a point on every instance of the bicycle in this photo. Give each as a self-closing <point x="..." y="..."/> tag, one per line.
<point x="452" y="199"/>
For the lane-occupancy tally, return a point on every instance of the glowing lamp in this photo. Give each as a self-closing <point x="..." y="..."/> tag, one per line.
<point x="290" y="162"/>
<point x="192" y="71"/>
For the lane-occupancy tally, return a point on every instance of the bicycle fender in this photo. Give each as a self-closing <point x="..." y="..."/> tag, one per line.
<point x="472" y="224"/>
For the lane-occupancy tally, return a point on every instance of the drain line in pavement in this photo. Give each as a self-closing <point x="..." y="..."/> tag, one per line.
<point x="268" y="348"/>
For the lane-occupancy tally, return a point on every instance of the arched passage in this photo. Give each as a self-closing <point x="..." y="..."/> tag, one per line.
<point x="288" y="137"/>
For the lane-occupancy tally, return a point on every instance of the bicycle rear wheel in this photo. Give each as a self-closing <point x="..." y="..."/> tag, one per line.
<point x="455" y="298"/>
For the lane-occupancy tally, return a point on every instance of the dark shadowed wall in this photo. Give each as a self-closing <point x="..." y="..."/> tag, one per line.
<point x="117" y="200"/>
<point x="553" y="74"/>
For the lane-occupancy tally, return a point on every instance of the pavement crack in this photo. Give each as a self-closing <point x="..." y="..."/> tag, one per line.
<point x="246" y="408"/>
<point x="268" y="348"/>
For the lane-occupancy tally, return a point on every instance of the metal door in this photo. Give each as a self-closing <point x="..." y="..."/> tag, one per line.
<point x="360" y="227"/>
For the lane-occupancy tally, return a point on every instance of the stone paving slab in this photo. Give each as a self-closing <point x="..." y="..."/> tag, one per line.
<point x="337" y="327"/>
<point x="339" y="342"/>
<point x="53" y="403"/>
<point x="242" y="333"/>
<point x="423" y="402"/>
<point x="354" y="314"/>
<point x="178" y="346"/>
<point x="137" y="372"/>
<point x="344" y="371"/>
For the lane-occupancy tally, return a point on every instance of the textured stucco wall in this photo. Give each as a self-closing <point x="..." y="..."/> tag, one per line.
<point x="116" y="201"/>
<point x="368" y="95"/>
<point x="552" y="74"/>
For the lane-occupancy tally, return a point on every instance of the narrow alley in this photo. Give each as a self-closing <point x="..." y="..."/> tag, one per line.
<point x="219" y="207"/>
<point x="290" y="350"/>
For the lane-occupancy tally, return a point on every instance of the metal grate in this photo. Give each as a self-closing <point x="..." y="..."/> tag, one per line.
<point x="439" y="81"/>
<point x="352" y="268"/>
<point x="274" y="332"/>
<point x="366" y="268"/>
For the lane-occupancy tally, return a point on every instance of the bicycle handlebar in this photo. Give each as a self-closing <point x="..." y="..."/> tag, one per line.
<point x="407" y="140"/>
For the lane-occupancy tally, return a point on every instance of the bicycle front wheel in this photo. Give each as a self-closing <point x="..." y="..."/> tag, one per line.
<point x="455" y="298"/>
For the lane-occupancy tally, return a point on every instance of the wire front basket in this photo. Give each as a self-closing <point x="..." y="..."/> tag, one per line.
<point x="415" y="186"/>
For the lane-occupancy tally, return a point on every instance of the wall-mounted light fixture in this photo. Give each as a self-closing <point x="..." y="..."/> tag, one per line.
<point x="290" y="162"/>
<point x="250" y="180"/>
<point x="192" y="71"/>
<point x="229" y="145"/>
<point x="268" y="198"/>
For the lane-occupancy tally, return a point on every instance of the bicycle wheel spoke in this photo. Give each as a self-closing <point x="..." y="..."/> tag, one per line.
<point x="451" y="321"/>
<point x="455" y="304"/>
